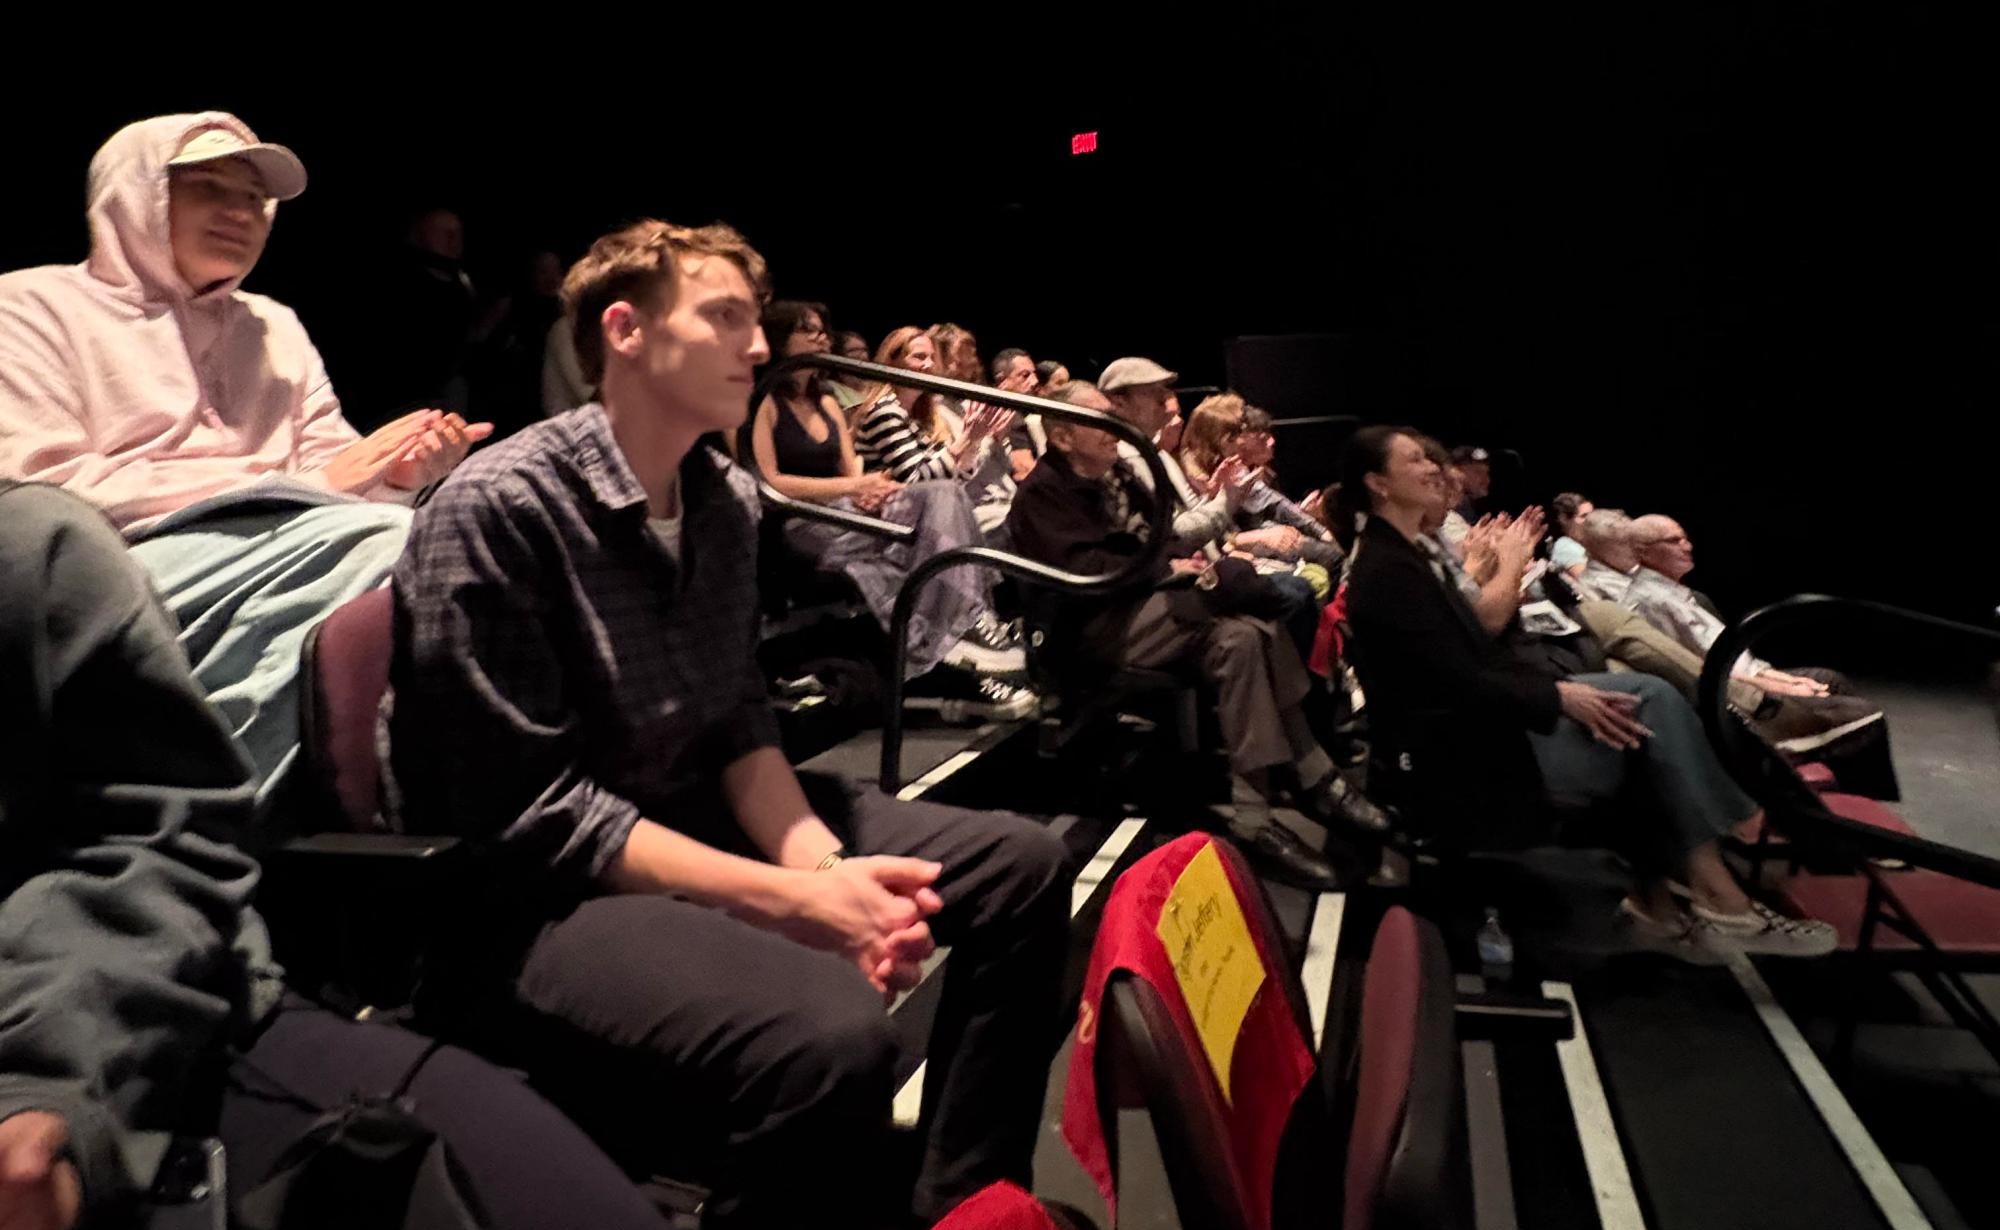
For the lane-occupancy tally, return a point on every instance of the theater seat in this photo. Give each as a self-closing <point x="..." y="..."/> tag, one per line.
<point x="1961" y="918"/>
<point x="1395" y="1160"/>
<point x="352" y="905"/>
<point x="346" y="671"/>
<point x="1404" y="1145"/>
<point x="1077" y="695"/>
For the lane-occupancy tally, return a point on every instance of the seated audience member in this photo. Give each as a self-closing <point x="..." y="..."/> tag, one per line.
<point x="802" y="445"/>
<point x="989" y="473"/>
<point x="1052" y="375"/>
<point x="1224" y="427"/>
<point x="1014" y="371"/>
<point x="1489" y="563"/>
<point x="1141" y="393"/>
<point x="851" y="345"/>
<point x="1566" y="554"/>
<point x="958" y="359"/>
<point x="1657" y="595"/>
<point x="1453" y="529"/>
<point x="1489" y="739"/>
<point x="1474" y="466"/>
<point x="1078" y="512"/>
<point x="709" y="936"/>
<point x="1607" y="535"/>
<point x="141" y="1001"/>
<point x="563" y="385"/>
<point x="199" y="418"/>
<point x="848" y="345"/>
<point x="1614" y="574"/>
<point x="1210" y="436"/>
<point x="1822" y="719"/>
<point x="1797" y="724"/>
<point x="899" y="429"/>
<point x="508" y="368"/>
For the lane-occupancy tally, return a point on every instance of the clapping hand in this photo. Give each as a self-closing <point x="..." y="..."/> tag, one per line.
<point x="1231" y="477"/>
<point x="982" y="420"/>
<point x="363" y="463"/>
<point x="435" y="451"/>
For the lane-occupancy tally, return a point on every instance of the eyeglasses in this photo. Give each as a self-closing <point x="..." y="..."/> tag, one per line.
<point x="811" y="331"/>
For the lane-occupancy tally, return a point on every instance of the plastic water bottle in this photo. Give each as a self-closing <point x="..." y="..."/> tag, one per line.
<point x="1496" y="948"/>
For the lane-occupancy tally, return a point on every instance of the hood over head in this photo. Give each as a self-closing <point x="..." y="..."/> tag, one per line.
<point x="131" y="246"/>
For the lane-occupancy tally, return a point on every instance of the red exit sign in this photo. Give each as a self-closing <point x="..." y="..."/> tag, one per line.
<point x="1083" y="143"/>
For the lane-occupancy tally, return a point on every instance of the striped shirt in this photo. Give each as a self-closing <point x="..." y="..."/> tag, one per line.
<point x="887" y="439"/>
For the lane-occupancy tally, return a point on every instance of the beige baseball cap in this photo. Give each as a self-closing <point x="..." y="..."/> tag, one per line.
<point x="283" y="174"/>
<point x="1129" y="373"/>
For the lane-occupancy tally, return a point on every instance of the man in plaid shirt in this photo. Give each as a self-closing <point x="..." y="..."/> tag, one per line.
<point x="709" y="936"/>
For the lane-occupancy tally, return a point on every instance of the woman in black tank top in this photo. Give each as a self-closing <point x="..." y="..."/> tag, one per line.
<point x="804" y="447"/>
<point x="799" y="437"/>
<point x="797" y="452"/>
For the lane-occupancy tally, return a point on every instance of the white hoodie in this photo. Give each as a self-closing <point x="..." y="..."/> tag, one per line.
<point x="123" y="386"/>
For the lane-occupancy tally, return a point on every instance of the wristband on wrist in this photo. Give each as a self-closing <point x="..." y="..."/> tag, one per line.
<point x="833" y="859"/>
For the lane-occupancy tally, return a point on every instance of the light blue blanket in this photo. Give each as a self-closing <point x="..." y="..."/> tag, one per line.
<point x="246" y="576"/>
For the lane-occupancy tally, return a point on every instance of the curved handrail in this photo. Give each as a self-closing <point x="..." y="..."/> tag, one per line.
<point x="1750" y="762"/>
<point x="1157" y="520"/>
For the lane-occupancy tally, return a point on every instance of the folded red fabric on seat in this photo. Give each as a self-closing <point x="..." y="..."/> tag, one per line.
<point x="1271" y="1062"/>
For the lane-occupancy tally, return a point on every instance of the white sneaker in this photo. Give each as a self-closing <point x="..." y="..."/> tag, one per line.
<point x="966" y="696"/>
<point x="990" y="645"/>
<point x="1676" y="937"/>
<point x="1764" y="931"/>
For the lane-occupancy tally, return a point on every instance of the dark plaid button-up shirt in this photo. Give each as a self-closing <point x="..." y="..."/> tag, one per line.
<point x="557" y="675"/>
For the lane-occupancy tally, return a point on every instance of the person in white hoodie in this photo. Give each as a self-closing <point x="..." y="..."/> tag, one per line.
<point x="199" y="418"/>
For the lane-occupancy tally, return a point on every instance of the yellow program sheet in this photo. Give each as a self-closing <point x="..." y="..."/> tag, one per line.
<point x="1215" y="961"/>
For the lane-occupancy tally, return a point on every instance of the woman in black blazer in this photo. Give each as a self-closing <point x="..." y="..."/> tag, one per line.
<point x="1486" y="742"/>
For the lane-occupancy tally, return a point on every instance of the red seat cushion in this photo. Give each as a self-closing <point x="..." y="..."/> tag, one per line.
<point x="348" y="664"/>
<point x="1868" y="811"/>
<point x="1816" y="775"/>
<point x="1960" y="917"/>
<point x="1855" y="807"/>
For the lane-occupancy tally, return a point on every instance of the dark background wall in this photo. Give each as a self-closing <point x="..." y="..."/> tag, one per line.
<point x="1731" y="261"/>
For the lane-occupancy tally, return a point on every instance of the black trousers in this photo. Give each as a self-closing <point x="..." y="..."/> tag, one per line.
<point x="97" y="699"/>
<point x="695" y="1044"/>
<point x="526" y="1165"/>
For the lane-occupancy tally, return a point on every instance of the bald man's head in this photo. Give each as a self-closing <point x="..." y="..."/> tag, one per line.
<point x="1662" y="545"/>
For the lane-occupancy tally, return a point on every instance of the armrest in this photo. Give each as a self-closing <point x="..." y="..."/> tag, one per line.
<point x="379" y="846"/>
<point x="353" y="916"/>
<point x="1503" y="1016"/>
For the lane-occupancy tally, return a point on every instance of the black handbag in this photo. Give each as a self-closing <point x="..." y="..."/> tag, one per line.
<point x="1232" y="586"/>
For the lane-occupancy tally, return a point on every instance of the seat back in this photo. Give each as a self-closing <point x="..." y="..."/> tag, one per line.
<point x="1405" y="1146"/>
<point x="1150" y="1056"/>
<point x="346" y="671"/>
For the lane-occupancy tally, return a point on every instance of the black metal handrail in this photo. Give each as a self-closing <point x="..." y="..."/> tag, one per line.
<point x="1751" y="762"/>
<point x="1318" y="420"/>
<point x="1157" y="520"/>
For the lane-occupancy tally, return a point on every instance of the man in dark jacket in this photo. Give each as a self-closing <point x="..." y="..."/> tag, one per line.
<point x="1074" y="513"/>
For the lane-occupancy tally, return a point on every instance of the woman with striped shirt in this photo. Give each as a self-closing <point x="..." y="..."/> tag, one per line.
<point x="899" y="429"/>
